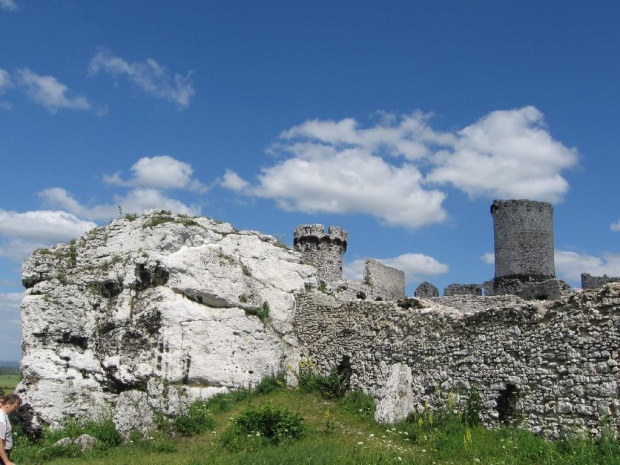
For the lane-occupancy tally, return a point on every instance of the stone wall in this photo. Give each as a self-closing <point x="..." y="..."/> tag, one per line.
<point x="426" y="290"/>
<point x="386" y="281"/>
<point x="322" y="250"/>
<point x="550" y="366"/>
<point x="523" y="232"/>
<point x="593" y="282"/>
<point x="463" y="289"/>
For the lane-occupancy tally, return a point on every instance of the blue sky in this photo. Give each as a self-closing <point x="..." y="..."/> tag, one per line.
<point x="399" y="121"/>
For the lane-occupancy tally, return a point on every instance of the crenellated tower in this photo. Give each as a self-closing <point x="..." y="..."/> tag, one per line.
<point x="322" y="250"/>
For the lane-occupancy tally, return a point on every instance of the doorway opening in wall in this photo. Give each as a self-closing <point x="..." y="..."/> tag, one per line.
<point x="507" y="405"/>
<point x="345" y="371"/>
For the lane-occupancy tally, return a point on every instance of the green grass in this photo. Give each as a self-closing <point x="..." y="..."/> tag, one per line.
<point x="335" y="431"/>
<point x="8" y="380"/>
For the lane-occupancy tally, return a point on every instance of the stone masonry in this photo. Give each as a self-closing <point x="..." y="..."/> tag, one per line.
<point x="593" y="282"/>
<point x="523" y="231"/>
<point x="322" y="250"/>
<point x="463" y="289"/>
<point x="426" y="290"/>
<point x="386" y="281"/>
<point x="550" y="366"/>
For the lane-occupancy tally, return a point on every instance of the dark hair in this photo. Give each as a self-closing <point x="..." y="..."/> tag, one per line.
<point x="12" y="399"/>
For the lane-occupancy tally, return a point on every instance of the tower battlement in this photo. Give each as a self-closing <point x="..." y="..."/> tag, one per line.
<point x="322" y="250"/>
<point x="316" y="233"/>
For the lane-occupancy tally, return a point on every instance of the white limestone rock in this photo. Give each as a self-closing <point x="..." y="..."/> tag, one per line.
<point x="396" y="398"/>
<point x="139" y="306"/>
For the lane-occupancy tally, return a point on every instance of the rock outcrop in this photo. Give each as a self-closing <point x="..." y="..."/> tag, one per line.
<point x="149" y="313"/>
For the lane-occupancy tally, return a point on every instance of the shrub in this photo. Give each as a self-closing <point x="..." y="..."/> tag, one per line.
<point x="271" y="384"/>
<point x="471" y="415"/>
<point x="198" y="420"/>
<point x="268" y="422"/>
<point x="332" y="386"/>
<point x="358" y="403"/>
<point x="261" y="312"/>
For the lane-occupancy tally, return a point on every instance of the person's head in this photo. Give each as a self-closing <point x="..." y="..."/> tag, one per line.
<point x="12" y="402"/>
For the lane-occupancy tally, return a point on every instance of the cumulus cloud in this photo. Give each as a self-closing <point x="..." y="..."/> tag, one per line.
<point x="8" y="5"/>
<point x="22" y="233"/>
<point x="394" y="170"/>
<point x="615" y="226"/>
<point x="507" y="154"/>
<point x="570" y="265"/>
<point x="5" y="80"/>
<point x="49" y="92"/>
<point x="42" y="225"/>
<point x="148" y="76"/>
<point x="416" y="266"/>
<point x="233" y="181"/>
<point x="16" y="250"/>
<point x="351" y="181"/>
<point x="159" y="172"/>
<point x="10" y="302"/>
<point x="488" y="258"/>
<point x="135" y="201"/>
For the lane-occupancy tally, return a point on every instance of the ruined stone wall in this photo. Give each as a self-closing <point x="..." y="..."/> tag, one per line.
<point x="463" y="289"/>
<point x="322" y="250"/>
<point x="386" y="281"/>
<point x="523" y="240"/>
<point x="552" y="366"/>
<point x="593" y="282"/>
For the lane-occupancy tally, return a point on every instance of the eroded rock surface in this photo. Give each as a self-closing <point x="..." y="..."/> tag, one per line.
<point x="146" y="315"/>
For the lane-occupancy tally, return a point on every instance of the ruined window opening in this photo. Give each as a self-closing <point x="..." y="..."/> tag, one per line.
<point x="507" y="404"/>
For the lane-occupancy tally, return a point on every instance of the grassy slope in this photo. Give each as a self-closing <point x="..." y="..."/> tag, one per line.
<point x="346" y="436"/>
<point x="9" y="377"/>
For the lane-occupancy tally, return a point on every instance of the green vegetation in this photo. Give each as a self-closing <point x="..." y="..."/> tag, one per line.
<point x="9" y="377"/>
<point x="246" y="271"/>
<point x="165" y="216"/>
<point x="260" y="312"/>
<point x="131" y="216"/>
<point x="273" y="424"/>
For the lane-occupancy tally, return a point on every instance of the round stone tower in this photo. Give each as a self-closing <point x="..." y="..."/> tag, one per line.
<point x="523" y="241"/>
<point x="321" y="250"/>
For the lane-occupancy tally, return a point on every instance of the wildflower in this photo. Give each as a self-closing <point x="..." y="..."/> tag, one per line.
<point x="420" y="422"/>
<point x="467" y="437"/>
<point x="360" y="443"/>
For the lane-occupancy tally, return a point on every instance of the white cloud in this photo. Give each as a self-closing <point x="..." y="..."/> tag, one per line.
<point x="160" y="172"/>
<point x="570" y="265"/>
<point x="10" y="302"/>
<point x="149" y="76"/>
<point x="49" y="92"/>
<point x="388" y="170"/>
<point x="5" y="80"/>
<point x="506" y="154"/>
<point x="351" y="181"/>
<point x="488" y="258"/>
<point x="8" y="5"/>
<point x="415" y="266"/>
<point x="407" y="135"/>
<point x="16" y="250"/>
<point x="42" y="225"/>
<point x="135" y="201"/>
<point x="615" y="226"/>
<point x="233" y="181"/>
